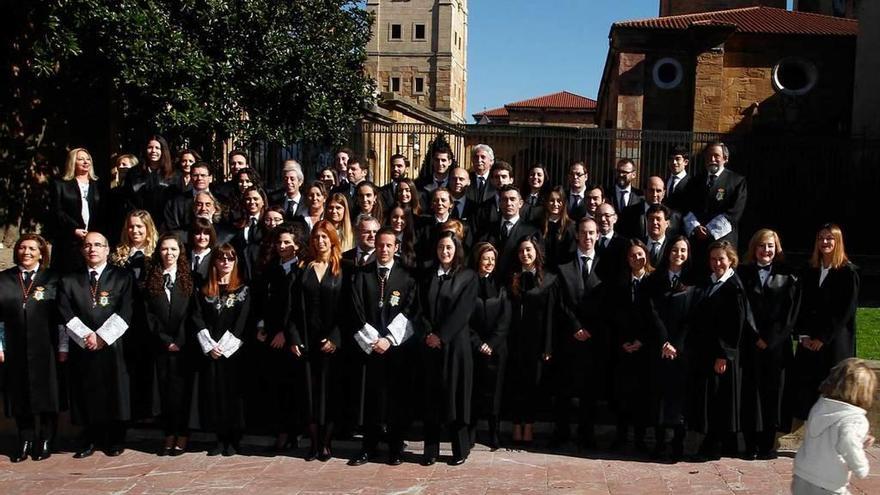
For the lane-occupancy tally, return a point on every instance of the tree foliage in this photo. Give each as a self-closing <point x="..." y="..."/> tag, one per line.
<point x="97" y="71"/>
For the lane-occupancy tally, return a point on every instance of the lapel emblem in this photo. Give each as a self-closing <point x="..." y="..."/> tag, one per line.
<point x="719" y="196"/>
<point x="39" y="293"/>
<point x="394" y="300"/>
<point x="104" y="299"/>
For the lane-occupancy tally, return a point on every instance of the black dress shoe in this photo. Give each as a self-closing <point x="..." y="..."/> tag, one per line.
<point x="42" y="451"/>
<point x="165" y="451"/>
<point x="457" y="461"/>
<point x="23" y="451"/>
<point x="216" y="450"/>
<point x="311" y="455"/>
<point x="767" y="456"/>
<point x="325" y="455"/>
<point x="115" y="451"/>
<point x="85" y="452"/>
<point x="176" y="451"/>
<point x="362" y="458"/>
<point x="428" y="460"/>
<point x="230" y="450"/>
<point x="395" y="459"/>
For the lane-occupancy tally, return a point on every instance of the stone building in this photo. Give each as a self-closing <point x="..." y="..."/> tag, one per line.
<point x="734" y="71"/>
<point x="866" y="98"/>
<point x="418" y="53"/>
<point x="564" y="109"/>
<point x="679" y="7"/>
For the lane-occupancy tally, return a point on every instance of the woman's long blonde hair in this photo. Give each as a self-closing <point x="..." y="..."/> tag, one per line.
<point x="838" y="257"/>
<point x="70" y="166"/>
<point x="124" y="248"/>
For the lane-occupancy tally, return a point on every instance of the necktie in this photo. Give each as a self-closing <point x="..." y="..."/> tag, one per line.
<point x="28" y="276"/>
<point x="444" y="277"/>
<point x="622" y="202"/>
<point x="711" y="182"/>
<point x="635" y="288"/>
<point x="505" y="229"/>
<point x="765" y="268"/>
<point x="455" y="205"/>
<point x="603" y="241"/>
<point x="481" y="186"/>
<point x="363" y="258"/>
<point x="93" y="280"/>
<point x="672" y="183"/>
<point x="167" y="281"/>
<point x="674" y="282"/>
<point x="574" y="201"/>
<point x="252" y="229"/>
<point x="655" y="250"/>
<point x="291" y="207"/>
<point x="585" y="268"/>
<point x="383" y="276"/>
<point x="196" y="260"/>
<point x="533" y="199"/>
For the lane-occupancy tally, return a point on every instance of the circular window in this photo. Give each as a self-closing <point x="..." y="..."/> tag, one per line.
<point x="667" y="73"/>
<point x="794" y="76"/>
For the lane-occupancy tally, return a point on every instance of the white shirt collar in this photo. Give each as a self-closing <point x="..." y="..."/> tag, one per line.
<point x="727" y="275"/>
<point x="628" y="189"/>
<point x="441" y="271"/>
<point x="288" y="264"/>
<point x="670" y="274"/>
<point x="389" y="266"/>
<point x="652" y="241"/>
<point x="206" y="252"/>
<point x="99" y="269"/>
<point x="513" y="220"/>
<point x="171" y="271"/>
<point x="680" y="175"/>
<point x="572" y="192"/>
<point x="441" y="220"/>
<point x="591" y="254"/>
<point x="34" y="270"/>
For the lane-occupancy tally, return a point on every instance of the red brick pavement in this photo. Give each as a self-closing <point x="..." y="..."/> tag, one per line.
<point x="502" y="472"/>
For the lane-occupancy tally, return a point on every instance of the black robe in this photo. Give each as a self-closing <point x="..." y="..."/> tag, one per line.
<point x="29" y="374"/>
<point x="67" y="207"/>
<point x="385" y="380"/>
<point x="559" y="250"/>
<point x="490" y="324"/>
<point x="827" y="313"/>
<point x="172" y="370"/>
<point x="219" y="381"/>
<point x="720" y="330"/>
<point x="99" y="380"/>
<point x="670" y="312"/>
<point x="318" y="318"/>
<point x="449" y="371"/>
<point x="774" y="308"/>
<point x="630" y="322"/>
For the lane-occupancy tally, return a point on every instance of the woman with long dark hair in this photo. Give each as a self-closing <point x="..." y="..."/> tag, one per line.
<point x="249" y="230"/>
<point x="629" y="336"/>
<point x="401" y="221"/>
<point x="534" y="299"/>
<point x="150" y="185"/>
<point x="448" y="300"/>
<point x="316" y="336"/>
<point x="316" y="198"/>
<point x="535" y="187"/>
<point x="202" y="239"/>
<point x="557" y="230"/>
<point x="771" y="287"/>
<point x="671" y="299"/>
<point x="221" y="311"/>
<point x="490" y="324"/>
<point x="28" y="341"/>
<point x="408" y="195"/>
<point x="826" y="323"/>
<point x="168" y="301"/>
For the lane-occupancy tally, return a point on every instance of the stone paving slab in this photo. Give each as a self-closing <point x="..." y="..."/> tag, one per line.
<point x="505" y="472"/>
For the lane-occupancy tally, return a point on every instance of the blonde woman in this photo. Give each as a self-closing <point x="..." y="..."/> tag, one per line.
<point x="77" y="201"/>
<point x="338" y="215"/>
<point x="826" y="324"/>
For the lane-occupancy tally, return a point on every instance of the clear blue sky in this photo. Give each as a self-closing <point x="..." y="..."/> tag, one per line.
<point x="519" y="49"/>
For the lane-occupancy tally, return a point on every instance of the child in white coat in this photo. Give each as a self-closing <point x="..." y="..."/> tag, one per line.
<point x="837" y="432"/>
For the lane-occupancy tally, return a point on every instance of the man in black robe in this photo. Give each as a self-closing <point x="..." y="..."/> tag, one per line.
<point x="96" y="308"/>
<point x="385" y="305"/>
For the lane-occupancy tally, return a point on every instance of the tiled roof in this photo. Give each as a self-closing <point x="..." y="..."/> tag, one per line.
<point x="561" y="100"/>
<point x="495" y="112"/>
<point x="763" y="20"/>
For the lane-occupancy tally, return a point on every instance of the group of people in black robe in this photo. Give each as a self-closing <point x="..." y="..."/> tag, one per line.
<point x="341" y="306"/>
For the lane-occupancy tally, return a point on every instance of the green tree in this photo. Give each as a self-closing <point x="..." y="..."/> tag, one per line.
<point x="103" y="73"/>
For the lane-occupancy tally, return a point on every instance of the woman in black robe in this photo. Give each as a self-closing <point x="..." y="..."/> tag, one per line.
<point x="629" y="337"/>
<point x="316" y="337"/>
<point x="490" y="324"/>
<point x="670" y="300"/>
<point x="250" y="230"/>
<point x="77" y="201"/>
<point x="771" y="287"/>
<point x="168" y="302"/>
<point x="276" y="363"/>
<point x="150" y="185"/>
<point x="534" y="301"/>
<point x="221" y="310"/>
<point x="826" y="323"/>
<point x="29" y="319"/>
<point x="449" y="296"/>
<point x="721" y="328"/>
<point x="559" y="231"/>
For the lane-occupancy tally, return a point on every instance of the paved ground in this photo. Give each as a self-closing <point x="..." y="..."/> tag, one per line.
<point x="506" y="472"/>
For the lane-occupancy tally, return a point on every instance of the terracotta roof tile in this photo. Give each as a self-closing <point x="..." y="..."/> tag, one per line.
<point x="560" y="100"/>
<point x="763" y="20"/>
<point x="495" y="112"/>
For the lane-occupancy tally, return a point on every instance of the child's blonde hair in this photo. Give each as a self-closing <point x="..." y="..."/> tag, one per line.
<point x="851" y="381"/>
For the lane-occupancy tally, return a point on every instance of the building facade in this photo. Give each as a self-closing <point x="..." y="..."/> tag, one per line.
<point x="418" y="52"/>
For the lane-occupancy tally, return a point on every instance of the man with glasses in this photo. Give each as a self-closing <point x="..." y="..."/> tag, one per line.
<point x="575" y="194"/>
<point x="96" y="308"/>
<point x="623" y="194"/>
<point x="178" y="213"/>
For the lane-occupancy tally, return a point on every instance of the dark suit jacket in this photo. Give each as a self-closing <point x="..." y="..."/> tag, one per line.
<point x="635" y="197"/>
<point x="634" y="223"/>
<point x="67" y="205"/>
<point x="507" y="247"/>
<point x="578" y="212"/>
<point x="279" y="198"/>
<point x="179" y="212"/>
<point x="677" y="199"/>
<point x="612" y="266"/>
<point x="726" y="197"/>
<point x="474" y="193"/>
<point x="389" y="198"/>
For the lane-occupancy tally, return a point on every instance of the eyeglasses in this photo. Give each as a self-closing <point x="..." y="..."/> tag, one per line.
<point x="225" y="258"/>
<point x="96" y="245"/>
<point x="577" y="175"/>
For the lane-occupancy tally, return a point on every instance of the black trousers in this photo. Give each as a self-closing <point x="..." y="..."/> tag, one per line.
<point x="27" y="426"/>
<point x="391" y="434"/>
<point x="458" y="434"/>
<point x="586" y="417"/>
<point x="110" y="434"/>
